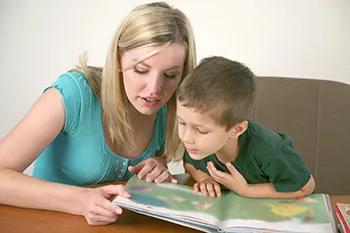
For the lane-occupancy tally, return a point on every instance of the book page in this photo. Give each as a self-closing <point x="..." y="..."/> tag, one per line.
<point x="231" y="212"/>
<point x="172" y="199"/>
<point x="309" y="214"/>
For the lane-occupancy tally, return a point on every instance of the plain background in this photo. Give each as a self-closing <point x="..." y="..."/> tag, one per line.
<point x="41" y="39"/>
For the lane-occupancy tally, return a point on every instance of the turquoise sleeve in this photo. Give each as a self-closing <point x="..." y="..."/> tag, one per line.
<point x="70" y="89"/>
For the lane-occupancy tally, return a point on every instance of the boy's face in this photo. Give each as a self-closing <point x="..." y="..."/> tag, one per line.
<point x="199" y="133"/>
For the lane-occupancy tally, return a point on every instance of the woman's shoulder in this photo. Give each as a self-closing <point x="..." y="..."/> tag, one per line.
<point x="74" y="79"/>
<point x="78" y="99"/>
<point x="74" y="84"/>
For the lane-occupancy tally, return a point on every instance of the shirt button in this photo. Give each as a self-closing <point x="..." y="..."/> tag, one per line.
<point x="124" y="163"/>
<point x="122" y="170"/>
<point x="119" y="176"/>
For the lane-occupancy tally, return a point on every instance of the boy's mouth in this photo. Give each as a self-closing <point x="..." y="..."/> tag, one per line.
<point x="192" y="151"/>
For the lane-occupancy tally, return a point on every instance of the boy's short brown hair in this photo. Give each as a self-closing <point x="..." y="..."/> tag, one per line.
<point x="224" y="88"/>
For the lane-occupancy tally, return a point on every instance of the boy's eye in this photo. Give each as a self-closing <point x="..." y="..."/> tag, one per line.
<point x="202" y="132"/>
<point x="140" y="71"/>
<point x="170" y="75"/>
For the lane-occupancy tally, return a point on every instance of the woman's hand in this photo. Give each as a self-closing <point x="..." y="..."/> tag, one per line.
<point x="98" y="209"/>
<point x="153" y="169"/>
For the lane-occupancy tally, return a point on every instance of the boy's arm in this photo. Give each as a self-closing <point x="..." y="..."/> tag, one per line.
<point x="205" y="183"/>
<point x="268" y="191"/>
<point x="235" y="181"/>
<point x="196" y="174"/>
<point x="285" y="170"/>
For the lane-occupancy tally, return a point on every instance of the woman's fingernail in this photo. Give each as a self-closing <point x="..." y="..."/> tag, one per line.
<point x="118" y="211"/>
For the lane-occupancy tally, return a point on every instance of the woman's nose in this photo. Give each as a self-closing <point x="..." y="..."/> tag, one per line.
<point x="155" y="84"/>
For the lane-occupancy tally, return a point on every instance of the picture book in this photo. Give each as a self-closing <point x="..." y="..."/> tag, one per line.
<point x="180" y="204"/>
<point x="343" y="214"/>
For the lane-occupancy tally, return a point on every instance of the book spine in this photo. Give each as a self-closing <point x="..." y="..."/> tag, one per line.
<point x="340" y="226"/>
<point x="330" y="211"/>
<point x="342" y="220"/>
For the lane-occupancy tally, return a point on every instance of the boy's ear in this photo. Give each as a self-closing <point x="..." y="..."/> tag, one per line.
<point x="238" y="129"/>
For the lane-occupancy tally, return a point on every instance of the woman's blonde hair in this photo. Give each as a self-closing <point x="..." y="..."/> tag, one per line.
<point x="153" y="24"/>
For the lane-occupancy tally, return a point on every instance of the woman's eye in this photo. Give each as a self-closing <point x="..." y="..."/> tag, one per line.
<point x="140" y="71"/>
<point x="169" y="75"/>
<point x="182" y="123"/>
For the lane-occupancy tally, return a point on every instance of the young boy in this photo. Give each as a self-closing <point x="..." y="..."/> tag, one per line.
<point x="223" y="147"/>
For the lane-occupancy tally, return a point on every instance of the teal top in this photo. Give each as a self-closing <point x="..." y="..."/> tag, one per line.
<point x="264" y="157"/>
<point x="80" y="155"/>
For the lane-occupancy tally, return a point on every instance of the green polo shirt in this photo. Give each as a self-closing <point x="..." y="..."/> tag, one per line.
<point x="264" y="157"/>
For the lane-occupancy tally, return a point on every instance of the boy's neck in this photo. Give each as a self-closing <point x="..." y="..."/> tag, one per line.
<point x="229" y="152"/>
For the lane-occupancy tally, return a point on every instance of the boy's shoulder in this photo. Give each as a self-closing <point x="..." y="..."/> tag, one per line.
<point x="264" y="139"/>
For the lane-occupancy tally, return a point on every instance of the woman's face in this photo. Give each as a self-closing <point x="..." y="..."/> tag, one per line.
<point x="150" y="84"/>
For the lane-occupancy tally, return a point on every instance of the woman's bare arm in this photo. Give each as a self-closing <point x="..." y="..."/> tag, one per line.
<point x="22" y="146"/>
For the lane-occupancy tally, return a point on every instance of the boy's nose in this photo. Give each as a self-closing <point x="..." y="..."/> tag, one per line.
<point x="188" y="138"/>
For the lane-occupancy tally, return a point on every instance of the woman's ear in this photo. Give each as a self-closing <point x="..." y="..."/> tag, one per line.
<point x="238" y="129"/>
<point x="120" y="69"/>
<point x="119" y="63"/>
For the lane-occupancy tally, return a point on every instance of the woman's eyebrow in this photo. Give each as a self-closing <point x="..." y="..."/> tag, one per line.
<point x="170" y="68"/>
<point x="174" y="67"/>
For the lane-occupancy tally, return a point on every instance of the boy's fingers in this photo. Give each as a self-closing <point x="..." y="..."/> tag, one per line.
<point x="217" y="190"/>
<point x="196" y="187"/>
<point x="231" y="168"/>
<point x="210" y="189"/>
<point x="203" y="188"/>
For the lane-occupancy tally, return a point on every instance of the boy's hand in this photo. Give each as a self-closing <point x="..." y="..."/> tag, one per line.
<point x="153" y="169"/>
<point x="208" y="186"/>
<point x="234" y="181"/>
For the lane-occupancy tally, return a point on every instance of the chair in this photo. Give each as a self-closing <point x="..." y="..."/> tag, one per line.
<point x="316" y="114"/>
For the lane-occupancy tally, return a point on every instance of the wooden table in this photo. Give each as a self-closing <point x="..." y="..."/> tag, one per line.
<point x="19" y="220"/>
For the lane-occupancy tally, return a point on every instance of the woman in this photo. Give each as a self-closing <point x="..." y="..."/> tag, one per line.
<point x="96" y="125"/>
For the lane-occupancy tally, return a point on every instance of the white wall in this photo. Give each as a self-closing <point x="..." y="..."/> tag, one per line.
<point x="40" y="39"/>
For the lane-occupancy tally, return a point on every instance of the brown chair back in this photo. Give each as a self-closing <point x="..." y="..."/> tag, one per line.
<point x="316" y="114"/>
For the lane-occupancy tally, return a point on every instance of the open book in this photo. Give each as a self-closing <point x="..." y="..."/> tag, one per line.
<point x="230" y="213"/>
<point x="343" y="214"/>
